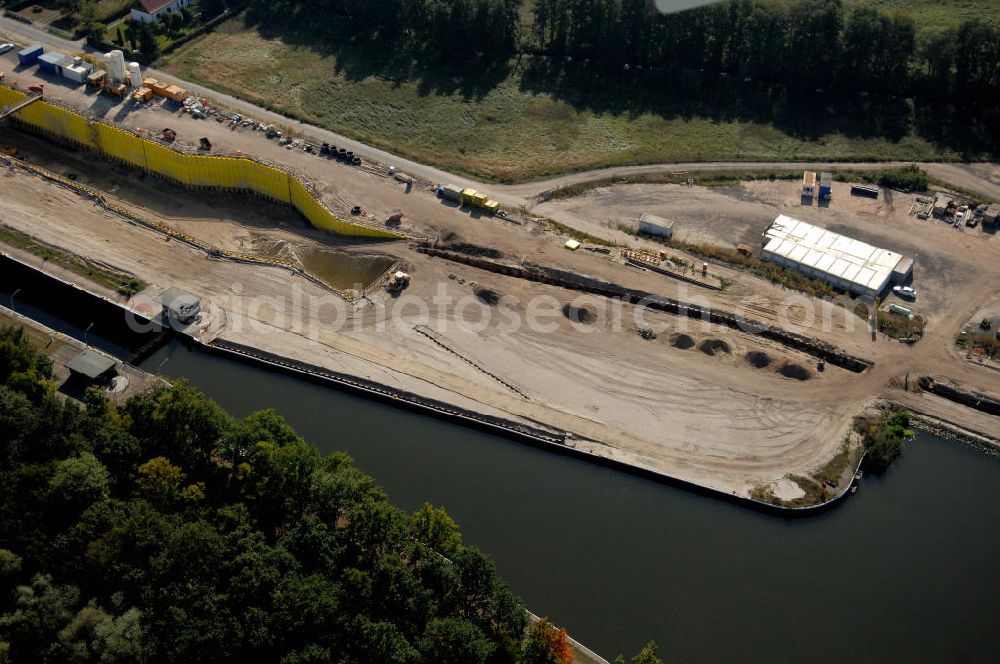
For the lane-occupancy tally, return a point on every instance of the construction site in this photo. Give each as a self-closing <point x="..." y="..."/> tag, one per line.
<point x="560" y="317"/>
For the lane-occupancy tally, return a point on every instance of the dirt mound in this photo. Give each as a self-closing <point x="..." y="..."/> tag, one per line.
<point x="585" y="314"/>
<point x="714" y="347"/>
<point x="796" y="371"/>
<point x="487" y="296"/>
<point x="758" y="359"/>
<point x="681" y="341"/>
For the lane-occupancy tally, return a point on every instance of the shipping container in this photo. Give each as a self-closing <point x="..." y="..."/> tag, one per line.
<point x="30" y="55"/>
<point x="175" y="93"/>
<point x="825" y="185"/>
<point x="467" y="195"/>
<point x="450" y="192"/>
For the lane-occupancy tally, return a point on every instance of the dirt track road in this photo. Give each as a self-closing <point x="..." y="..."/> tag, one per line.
<point x="710" y="418"/>
<point x="982" y="178"/>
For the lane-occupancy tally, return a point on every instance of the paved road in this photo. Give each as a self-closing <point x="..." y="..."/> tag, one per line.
<point x="982" y="178"/>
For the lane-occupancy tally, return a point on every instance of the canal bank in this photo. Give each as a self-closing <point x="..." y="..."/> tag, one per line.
<point x="135" y="336"/>
<point x="904" y="573"/>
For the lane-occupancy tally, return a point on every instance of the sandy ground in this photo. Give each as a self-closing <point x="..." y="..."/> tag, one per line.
<point x="715" y="418"/>
<point x="946" y="259"/>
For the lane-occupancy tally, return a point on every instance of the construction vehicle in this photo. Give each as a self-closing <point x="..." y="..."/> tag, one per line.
<point x="116" y="90"/>
<point x="471" y="197"/>
<point x="100" y="80"/>
<point x="97" y="79"/>
<point x="37" y="89"/>
<point x="395" y="217"/>
<point x="397" y="282"/>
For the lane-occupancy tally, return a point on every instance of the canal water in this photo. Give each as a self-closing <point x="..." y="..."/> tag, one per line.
<point x="903" y="571"/>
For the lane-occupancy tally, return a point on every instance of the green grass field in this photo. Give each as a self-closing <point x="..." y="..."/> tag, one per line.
<point x="930" y="14"/>
<point x="497" y="129"/>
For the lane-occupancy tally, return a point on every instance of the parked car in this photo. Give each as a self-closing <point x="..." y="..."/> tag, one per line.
<point x="905" y="291"/>
<point x="6" y="47"/>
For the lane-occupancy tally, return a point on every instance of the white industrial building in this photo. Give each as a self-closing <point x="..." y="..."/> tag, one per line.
<point x="651" y="224"/>
<point x="846" y="264"/>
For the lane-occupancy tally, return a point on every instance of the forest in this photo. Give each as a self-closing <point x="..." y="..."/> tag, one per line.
<point x="804" y="44"/>
<point x="811" y="68"/>
<point x="165" y="530"/>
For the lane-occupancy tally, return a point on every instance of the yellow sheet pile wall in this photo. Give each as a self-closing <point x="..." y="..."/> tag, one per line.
<point x="191" y="170"/>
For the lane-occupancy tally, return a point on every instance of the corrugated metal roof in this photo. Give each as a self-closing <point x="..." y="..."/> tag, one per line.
<point x="861" y="265"/>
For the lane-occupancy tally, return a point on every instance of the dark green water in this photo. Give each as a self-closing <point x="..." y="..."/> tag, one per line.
<point x="905" y="571"/>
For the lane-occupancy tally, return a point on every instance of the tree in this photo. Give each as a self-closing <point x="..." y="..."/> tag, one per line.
<point x="546" y="644"/>
<point x="80" y="481"/>
<point x="646" y="656"/>
<point x="977" y="59"/>
<point x="10" y="565"/>
<point x="454" y="641"/>
<point x="285" y="556"/>
<point x="71" y="6"/>
<point x="211" y="8"/>
<point x="42" y="610"/>
<point x="95" y="635"/>
<point x="435" y="528"/>
<point x="159" y="482"/>
<point x="148" y="45"/>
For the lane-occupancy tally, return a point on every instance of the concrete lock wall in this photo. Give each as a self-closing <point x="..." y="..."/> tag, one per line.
<point x="242" y="174"/>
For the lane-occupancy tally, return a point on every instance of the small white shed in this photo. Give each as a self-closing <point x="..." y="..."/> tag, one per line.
<point x="651" y="224"/>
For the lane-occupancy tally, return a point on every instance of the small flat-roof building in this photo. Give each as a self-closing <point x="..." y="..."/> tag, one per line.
<point x="179" y="306"/>
<point x="992" y="214"/>
<point x="651" y="224"/>
<point x="92" y="366"/>
<point x="78" y="71"/>
<point x="54" y="63"/>
<point x="847" y="264"/>
<point x="809" y="184"/>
